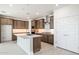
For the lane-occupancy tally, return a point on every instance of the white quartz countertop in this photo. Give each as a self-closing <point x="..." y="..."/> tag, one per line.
<point x="24" y="35"/>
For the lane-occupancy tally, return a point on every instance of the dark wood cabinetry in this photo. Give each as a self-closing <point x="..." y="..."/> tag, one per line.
<point x="47" y="37"/>
<point x="50" y="39"/>
<point x="44" y="38"/>
<point x="6" y="21"/>
<point x="51" y="22"/>
<point x="14" y="38"/>
<point x="36" y="44"/>
<point x="38" y="24"/>
<point x="17" y="24"/>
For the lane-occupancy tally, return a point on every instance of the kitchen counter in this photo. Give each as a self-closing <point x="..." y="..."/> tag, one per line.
<point x="24" y="35"/>
<point x="47" y="37"/>
<point x="46" y="33"/>
<point x="29" y="43"/>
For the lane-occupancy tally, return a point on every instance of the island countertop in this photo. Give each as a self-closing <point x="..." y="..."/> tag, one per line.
<point x="24" y="35"/>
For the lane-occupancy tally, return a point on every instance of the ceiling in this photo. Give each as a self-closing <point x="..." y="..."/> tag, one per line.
<point x="26" y="11"/>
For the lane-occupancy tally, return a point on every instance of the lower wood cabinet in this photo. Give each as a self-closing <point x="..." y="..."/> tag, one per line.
<point x="14" y="38"/>
<point x="36" y="44"/>
<point x="48" y="38"/>
<point x="45" y="38"/>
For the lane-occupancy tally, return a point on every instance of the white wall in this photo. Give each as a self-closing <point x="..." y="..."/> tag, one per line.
<point x="66" y="25"/>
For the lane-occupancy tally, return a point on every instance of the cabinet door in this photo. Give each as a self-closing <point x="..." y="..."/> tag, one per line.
<point x="20" y="24"/>
<point x="14" y="38"/>
<point x="45" y="38"/>
<point x="37" y="26"/>
<point x="36" y="44"/>
<point x="26" y="24"/>
<point x="51" y="39"/>
<point x="5" y="21"/>
<point x="41" y="23"/>
<point x="14" y="24"/>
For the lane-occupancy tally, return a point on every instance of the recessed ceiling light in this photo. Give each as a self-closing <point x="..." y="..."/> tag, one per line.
<point x="10" y="5"/>
<point x="28" y="17"/>
<point x="37" y="13"/>
<point x="56" y="4"/>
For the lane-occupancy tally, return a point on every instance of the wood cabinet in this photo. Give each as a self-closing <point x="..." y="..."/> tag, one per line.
<point x="38" y="24"/>
<point x="50" y="39"/>
<point x="47" y="37"/>
<point x="26" y="24"/>
<point x="41" y="22"/>
<point x="14" y="38"/>
<point x="17" y="24"/>
<point x="36" y="44"/>
<point x="6" y="21"/>
<point x="51" y="22"/>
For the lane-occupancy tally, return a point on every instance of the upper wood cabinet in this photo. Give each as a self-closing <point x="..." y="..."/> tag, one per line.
<point x="38" y="24"/>
<point x="6" y="21"/>
<point x="26" y="24"/>
<point x="41" y="22"/>
<point x="17" y="24"/>
<point x="51" y="22"/>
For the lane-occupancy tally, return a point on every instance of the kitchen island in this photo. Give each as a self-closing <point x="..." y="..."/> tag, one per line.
<point x="29" y="43"/>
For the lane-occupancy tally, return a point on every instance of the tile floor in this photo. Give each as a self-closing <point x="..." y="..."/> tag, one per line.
<point x="11" y="48"/>
<point x="48" y="49"/>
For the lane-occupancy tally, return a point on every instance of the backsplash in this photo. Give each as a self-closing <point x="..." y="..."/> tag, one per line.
<point x="19" y="30"/>
<point x="45" y="30"/>
<point x="36" y="30"/>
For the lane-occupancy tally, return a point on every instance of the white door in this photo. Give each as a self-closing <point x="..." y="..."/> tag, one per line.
<point x="67" y="34"/>
<point x="60" y="39"/>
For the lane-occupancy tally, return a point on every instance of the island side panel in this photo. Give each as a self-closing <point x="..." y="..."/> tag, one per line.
<point x="36" y="44"/>
<point x="25" y="44"/>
